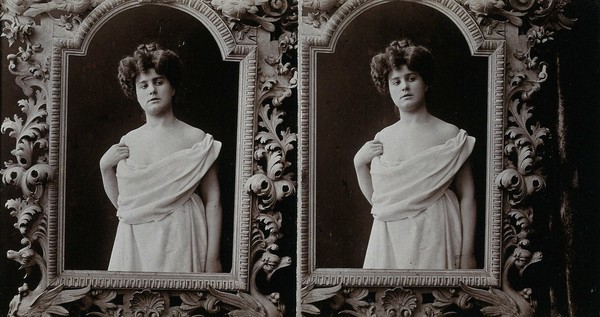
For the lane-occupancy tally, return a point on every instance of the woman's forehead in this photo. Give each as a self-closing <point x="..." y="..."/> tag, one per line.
<point x="148" y="74"/>
<point x="401" y="71"/>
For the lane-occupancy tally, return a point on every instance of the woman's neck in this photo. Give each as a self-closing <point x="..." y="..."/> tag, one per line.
<point x="419" y="116"/>
<point x="164" y="120"/>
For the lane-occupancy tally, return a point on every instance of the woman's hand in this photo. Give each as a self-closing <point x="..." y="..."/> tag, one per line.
<point x="367" y="152"/>
<point x="115" y="153"/>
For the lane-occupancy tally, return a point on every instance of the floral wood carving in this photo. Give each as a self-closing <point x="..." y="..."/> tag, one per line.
<point x="270" y="15"/>
<point x="31" y="174"/>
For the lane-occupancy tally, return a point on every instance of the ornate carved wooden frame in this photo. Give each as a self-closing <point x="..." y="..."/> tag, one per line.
<point x="260" y="36"/>
<point x="39" y="33"/>
<point x="480" y="45"/>
<point x="493" y="29"/>
<point x="57" y="114"/>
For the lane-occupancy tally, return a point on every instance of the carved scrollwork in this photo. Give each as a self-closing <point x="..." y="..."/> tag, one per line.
<point x="522" y="177"/>
<point x="319" y="11"/>
<point x="193" y="301"/>
<point x="550" y="12"/>
<point x="398" y="301"/>
<point x="102" y="300"/>
<point x="310" y="295"/>
<point x="242" y="14"/>
<point x="272" y="182"/>
<point x="47" y="302"/>
<point x="256" y="303"/>
<point x="25" y="211"/>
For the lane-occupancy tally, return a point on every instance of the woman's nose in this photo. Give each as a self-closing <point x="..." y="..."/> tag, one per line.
<point x="152" y="89"/>
<point x="403" y="85"/>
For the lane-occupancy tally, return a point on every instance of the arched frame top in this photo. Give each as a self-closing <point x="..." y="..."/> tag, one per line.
<point x="230" y="48"/>
<point x="324" y="39"/>
<point x="327" y="37"/>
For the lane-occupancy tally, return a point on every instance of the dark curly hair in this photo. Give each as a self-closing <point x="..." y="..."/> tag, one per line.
<point x="147" y="56"/>
<point x="402" y="52"/>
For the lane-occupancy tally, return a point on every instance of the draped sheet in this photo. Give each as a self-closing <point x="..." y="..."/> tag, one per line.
<point x="162" y="222"/>
<point x="416" y="216"/>
<point x="149" y="193"/>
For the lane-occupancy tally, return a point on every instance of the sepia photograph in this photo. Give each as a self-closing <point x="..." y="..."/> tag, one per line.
<point x="108" y="111"/>
<point x="299" y="158"/>
<point x="355" y="109"/>
<point x="402" y="156"/>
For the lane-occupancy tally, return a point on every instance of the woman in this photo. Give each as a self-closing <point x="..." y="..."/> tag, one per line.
<point x="152" y="175"/>
<point x="416" y="174"/>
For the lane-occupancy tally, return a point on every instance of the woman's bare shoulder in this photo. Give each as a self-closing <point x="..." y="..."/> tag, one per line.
<point x="391" y="130"/>
<point x="192" y="134"/>
<point x="445" y="129"/>
<point x="132" y="135"/>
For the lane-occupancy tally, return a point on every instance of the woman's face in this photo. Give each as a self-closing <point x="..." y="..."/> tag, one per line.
<point x="154" y="92"/>
<point x="407" y="89"/>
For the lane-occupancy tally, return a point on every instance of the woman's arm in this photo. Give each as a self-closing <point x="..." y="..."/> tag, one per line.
<point x="108" y="162"/>
<point x="465" y="190"/>
<point x="362" y="159"/>
<point x="211" y="196"/>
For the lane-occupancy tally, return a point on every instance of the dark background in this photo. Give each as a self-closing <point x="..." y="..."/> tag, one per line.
<point x="350" y="112"/>
<point x="579" y="53"/>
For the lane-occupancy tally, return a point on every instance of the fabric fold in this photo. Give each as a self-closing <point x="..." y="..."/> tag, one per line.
<point x="403" y="189"/>
<point x="417" y="222"/>
<point x="151" y="192"/>
<point x="162" y="221"/>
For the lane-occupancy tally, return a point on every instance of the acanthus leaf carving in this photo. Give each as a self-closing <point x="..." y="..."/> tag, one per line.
<point x="102" y="300"/>
<point x="46" y="302"/>
<point x="517" y="226"/>
<point x="62" y="6"/>
<point x="489" y="9"/>
<point x="500" y="303"/>
<point x="25" y="211"/>
<point x="192" y="301"/>
<point x="31" y="171"/>
<point x="446" y="298"/>
<point x="269" y="221"/>
<point x="507" y="301"/>
<point x="272" y="182"/>
<point x="522" y="176"/>
<point x="538" y="13"/>
<point x="245" y="304"/>
<point x="398" y="301"/>
<point x="319" y="11"/>
<point x="256" y="303"/>
<point x="310" y="295"/>
<point x="264" y="13"/>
